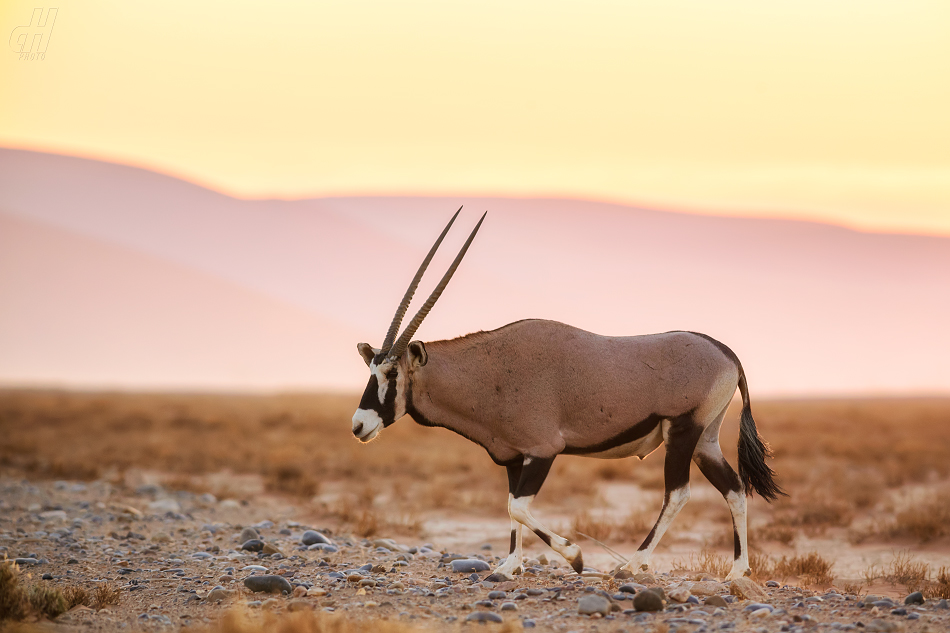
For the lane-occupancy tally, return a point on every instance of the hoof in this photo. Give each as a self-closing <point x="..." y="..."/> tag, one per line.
<point x="496" y="577"/>
<point x="578" y="564"/>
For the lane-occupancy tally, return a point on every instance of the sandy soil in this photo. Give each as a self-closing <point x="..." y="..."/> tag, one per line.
<point x="166" y="551"/>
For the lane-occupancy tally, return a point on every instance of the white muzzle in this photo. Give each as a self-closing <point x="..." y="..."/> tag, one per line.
<point x="366" y="424"/>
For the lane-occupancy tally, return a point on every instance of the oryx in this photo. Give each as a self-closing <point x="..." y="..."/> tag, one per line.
<point x="534" y="389"/>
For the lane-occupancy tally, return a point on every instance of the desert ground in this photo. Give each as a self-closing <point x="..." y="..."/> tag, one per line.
<point x="135" y="512"/>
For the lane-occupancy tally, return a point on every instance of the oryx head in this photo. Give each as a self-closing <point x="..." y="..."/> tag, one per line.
<point x="390" y="366"/>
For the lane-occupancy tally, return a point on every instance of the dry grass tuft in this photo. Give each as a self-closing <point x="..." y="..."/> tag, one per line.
<point x="913" y="574"/>
<point x="46" y="601"/>
<point x="708" y="562"/>
<point x="811" y="569"/>
<point x="924" y="520"/>
<point x="12" y="603"/>
<point x="941" y="587"/>
<point x="105" y="594"/>
<point x="75" y="596"/>
<point x="17" y="602"/>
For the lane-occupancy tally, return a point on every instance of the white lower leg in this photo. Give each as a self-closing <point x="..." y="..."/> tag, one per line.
<point x="512" y="564"/>
<point x="737" y="506"/>
<point x="641" y="560"/>
<point x="519" y="509"/>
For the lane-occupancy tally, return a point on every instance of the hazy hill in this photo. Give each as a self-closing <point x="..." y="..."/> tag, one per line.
<point x="115" y="275"/>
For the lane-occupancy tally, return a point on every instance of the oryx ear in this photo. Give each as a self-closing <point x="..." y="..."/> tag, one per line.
<point x="417" y="354"/>
<point x="367" y="352"/>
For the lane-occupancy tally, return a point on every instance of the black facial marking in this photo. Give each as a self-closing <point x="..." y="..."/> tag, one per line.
<point x="514" y="541"/>
<point x="639" y="430"/>
<point x="370" y="399"/>
<point x="543" y="536"/>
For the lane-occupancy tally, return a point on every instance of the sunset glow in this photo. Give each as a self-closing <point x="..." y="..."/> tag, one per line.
<point x="832" y="111"/>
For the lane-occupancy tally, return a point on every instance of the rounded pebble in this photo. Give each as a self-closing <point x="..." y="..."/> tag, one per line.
<point x="648" y="601"/>
<point x="469" y="565"/>
<point x="248" y="534"/>
<point x="312" y="537"/>
<point x="484" y="616"/>
<point x="268" y="584"/>
<point x="593" y="603"/>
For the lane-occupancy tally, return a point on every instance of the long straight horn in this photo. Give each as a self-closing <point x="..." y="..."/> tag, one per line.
<point x="404" y="305"/>
<point x="400" y="346"/>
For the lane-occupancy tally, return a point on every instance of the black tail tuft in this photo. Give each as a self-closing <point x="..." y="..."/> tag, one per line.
<point x="753" y="471"/>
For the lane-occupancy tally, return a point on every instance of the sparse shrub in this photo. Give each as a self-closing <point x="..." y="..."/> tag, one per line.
<point x="904" y="570"/>
<point x="105" y="594"/>
<point x="47" y="601"/>
<point x="12" y="601"/>
<point x="16" y="602"/>
<point x="75" y="596"/>
<point x="810" y="569"/>
<point x="853" y="588"/>
<point x="713" y="563"/>
<point x="940" y="588"/>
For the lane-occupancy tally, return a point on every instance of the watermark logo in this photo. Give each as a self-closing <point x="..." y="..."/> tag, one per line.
<point x="30" y="41"/>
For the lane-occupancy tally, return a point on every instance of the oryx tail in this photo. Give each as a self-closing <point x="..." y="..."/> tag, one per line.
<point x="753" y="471"/>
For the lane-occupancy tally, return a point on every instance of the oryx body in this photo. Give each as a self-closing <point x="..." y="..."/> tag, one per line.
<point x="535" y="389"/>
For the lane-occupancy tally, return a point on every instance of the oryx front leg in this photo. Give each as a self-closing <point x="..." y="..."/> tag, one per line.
<point x="524" y="481"/>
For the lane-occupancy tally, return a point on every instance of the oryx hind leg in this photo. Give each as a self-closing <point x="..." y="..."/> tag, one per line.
<point x="533" y="471"/>
<point x="713" y="465"/>
<point x="680" y="434"/>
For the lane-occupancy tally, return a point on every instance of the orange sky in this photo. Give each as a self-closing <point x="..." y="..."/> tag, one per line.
<point x="829" y="110"/>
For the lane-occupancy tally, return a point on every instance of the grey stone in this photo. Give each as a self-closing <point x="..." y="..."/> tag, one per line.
<point x="628" y="588"/>
<point x="324" y="547"/>
<point x="648" y="601"/>
<point x="268" y="584"/>
<point x="26" y="562"/>
<point x="593" y="603"/>
<point x="468" y="565"/>
<point x="312" y="537"/>
<point x="509" y="606"/>
<point x="218" y="594"/>
<point x="484" y="616"/>
<point x="914" y="598"/>
<point x="497" y="595"/>
<point x="716" y="601"/>
<point x="253" y="545"/>
<point x="248" y="534"/>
